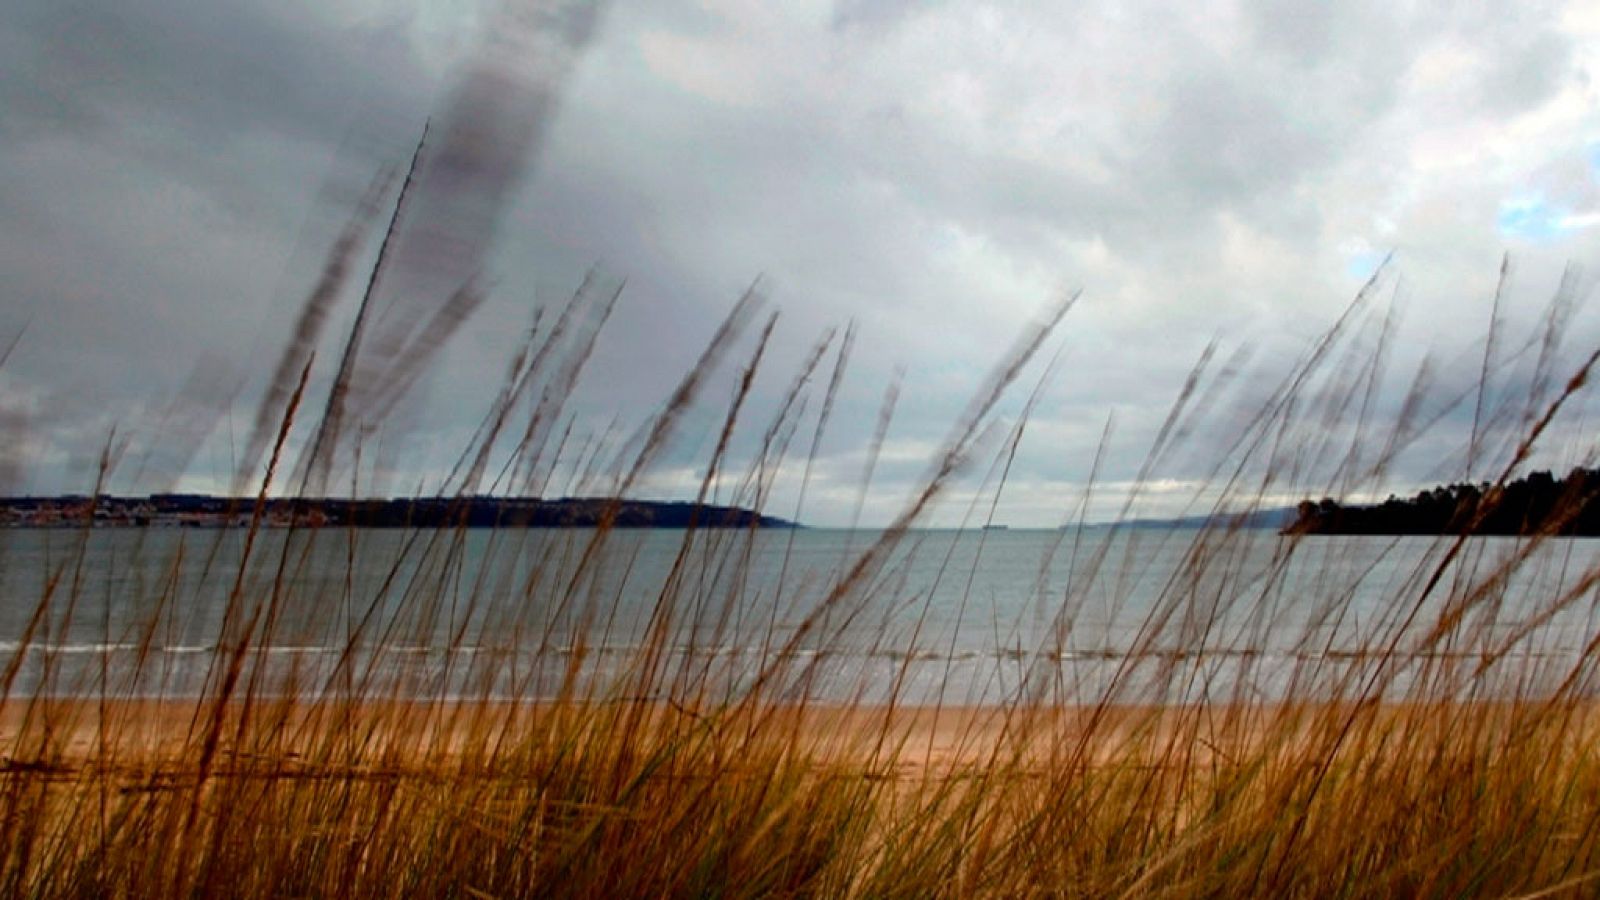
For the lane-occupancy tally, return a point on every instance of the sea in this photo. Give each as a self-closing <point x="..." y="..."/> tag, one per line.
<point x="1079" y="615"/>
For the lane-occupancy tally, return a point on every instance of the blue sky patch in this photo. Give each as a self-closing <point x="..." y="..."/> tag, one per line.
<point x="1533" y="218"/>
<point x="1360" y="264"/>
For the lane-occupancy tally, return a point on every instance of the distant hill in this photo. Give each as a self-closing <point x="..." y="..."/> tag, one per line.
<point x="206" y="511"/>
<point x="1537" y="503"/>
<point x="1277" y="518"/>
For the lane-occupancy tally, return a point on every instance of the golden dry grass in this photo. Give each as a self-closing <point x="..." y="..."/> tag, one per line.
<point x="502" y="799"/>
<point x="1427" y="767"/>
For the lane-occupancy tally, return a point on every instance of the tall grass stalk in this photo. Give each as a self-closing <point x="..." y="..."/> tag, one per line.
<point x="490" y="715"/>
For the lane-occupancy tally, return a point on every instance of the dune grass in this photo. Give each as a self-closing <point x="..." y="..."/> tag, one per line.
<point x="1435" y="757"/>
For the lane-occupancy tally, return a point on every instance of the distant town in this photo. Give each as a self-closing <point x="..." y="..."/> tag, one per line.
<point x="207" y="511"/>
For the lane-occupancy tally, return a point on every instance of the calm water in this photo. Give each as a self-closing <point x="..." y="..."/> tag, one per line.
<point x="953" y="616"/>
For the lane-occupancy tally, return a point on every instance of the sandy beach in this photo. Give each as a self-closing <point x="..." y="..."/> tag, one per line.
<point x="911" y="742"/>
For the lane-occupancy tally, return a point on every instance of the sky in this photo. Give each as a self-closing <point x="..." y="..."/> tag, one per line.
<point x="937" y="176"/>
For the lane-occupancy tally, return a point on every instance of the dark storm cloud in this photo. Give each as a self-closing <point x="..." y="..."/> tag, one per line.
<point x="162" y="157"/>
<point x="213" y="71"/>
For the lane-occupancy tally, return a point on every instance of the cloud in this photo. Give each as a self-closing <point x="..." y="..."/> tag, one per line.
<point x="937" y="172"/>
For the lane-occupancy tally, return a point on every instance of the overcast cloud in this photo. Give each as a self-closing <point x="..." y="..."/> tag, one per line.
<point x="172" y="175"/>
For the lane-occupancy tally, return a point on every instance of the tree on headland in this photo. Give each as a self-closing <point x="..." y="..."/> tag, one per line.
<point x="1536" y="503"/>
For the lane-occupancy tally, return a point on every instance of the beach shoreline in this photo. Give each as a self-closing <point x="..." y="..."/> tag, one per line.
<point x="69" y="734"/>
